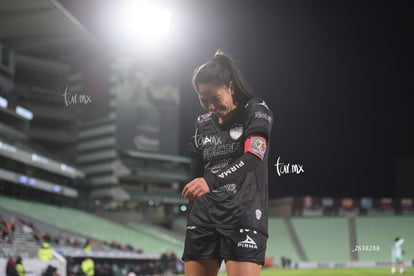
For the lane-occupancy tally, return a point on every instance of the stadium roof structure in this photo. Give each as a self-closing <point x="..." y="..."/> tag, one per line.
<point x="158" y="156"/>
<point x="154" y="166"/>
<point x="44" y="29"/>
<point x="26" y="153"/>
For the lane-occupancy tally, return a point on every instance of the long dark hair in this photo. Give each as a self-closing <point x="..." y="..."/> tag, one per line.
<point x="221" y="70"/>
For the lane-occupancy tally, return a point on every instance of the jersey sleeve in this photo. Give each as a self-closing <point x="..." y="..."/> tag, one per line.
<point x="233" y="173"/>
<point x="259" y="119"/>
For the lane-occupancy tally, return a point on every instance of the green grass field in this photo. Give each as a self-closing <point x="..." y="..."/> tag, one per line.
<point x="333" y="272"/>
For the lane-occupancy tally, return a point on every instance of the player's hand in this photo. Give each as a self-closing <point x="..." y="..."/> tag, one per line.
<point x="195" y="188"/>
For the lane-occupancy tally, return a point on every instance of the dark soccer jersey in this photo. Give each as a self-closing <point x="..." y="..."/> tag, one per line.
<point x="218" y="149"/>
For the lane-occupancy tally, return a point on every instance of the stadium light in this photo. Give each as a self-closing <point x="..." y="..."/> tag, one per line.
<point x="22" y="179"/>
<point x="25" y="113"/>
<point x="138" y="20"/>
<point x="3" y="102"/>
<point x="32" y="181"/>
<point x="183" y="208"/>
<point x="57" y="188"/>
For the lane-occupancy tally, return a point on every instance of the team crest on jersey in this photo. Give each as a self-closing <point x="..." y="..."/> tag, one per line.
<point x="236" y="132"/>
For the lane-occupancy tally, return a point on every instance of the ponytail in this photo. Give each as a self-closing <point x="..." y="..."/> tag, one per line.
<point x="221" y="70"/>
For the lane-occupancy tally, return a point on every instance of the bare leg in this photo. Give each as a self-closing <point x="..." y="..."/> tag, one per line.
<point x="242" y="268"/>
<point x="393" y="267"/>
<point x="201" y="268"/>
<point x="401" y="267"/>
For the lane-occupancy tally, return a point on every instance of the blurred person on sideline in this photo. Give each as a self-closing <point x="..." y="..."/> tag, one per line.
<point x="396" y="255"/>
<point x="11" y="267"/>
<point x="19" y="267"/>
<point x="228" y="196"/>
<point x="45" y="252"/>
<point x="88" y="267"/>
<point x="51" y="271"/>
<point x="87" y="247"/>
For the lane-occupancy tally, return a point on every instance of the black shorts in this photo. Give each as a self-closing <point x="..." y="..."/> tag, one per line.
<point x="243" y="245"/>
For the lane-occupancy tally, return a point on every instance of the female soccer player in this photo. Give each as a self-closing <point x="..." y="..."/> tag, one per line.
<point x="396" y="255"/>
<point x="227" y="217"/>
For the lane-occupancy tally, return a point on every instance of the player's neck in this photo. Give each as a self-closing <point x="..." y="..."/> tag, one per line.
<point x="224" y="119"/>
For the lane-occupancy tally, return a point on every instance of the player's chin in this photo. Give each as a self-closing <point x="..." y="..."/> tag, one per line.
<point x="219" y="113"/>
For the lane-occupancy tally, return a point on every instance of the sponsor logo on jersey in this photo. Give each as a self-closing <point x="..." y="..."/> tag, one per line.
<point x="219" y="165"/>
<point x="232" y="169"/>
<point x="230" y="187"/>
<point x="214" y="151"/>
<point x="191" y="227"/>
<point x="206" y="140"/>
<point x="247" y="243"/>
<point x="236" y="132"/>
<point x="262" y="115"/>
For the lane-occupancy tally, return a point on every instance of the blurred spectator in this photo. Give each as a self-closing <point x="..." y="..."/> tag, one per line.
<point x="19" y="267"/>
<point x="87" y="246"/>
<point x="116" y="271"/>
<point x="51" y="271"/>
<point x="88" y="267"/>
<point x="27" y="227"/>
<point x="11" y="268"/>
<point x="45" y="252"/>
<point x="7" y="228"/>
<point x="11" y="227"/>
<point x="73" y="268"/>
<point x="286" y="262"/>
<point x="103" y="270"/>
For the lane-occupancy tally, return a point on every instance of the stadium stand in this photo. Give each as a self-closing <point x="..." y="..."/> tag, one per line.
<point x="157" y="233"/>
<point x="89" y="225"/>
<point x="179" y="225"/>
<point x="279" y="244"/>
<point x="21" y="244"/>
<point x="381" y="231"/>
<point x="323" y="238"/>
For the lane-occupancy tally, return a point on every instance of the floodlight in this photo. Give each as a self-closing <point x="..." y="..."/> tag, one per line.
<point x="138" y="20"/>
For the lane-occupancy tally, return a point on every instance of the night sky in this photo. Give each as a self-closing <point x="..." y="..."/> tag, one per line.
<point x="337" y="75"/>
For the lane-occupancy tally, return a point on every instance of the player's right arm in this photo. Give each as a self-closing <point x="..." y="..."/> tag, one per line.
<point x="197" y="162"/>
<point x="197" y="186"/>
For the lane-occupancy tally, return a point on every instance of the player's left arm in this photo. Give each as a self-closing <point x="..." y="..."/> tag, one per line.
<point x="254" y="151"/>
<point x="257" y="131"/>
<point x="232" y="173"/>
